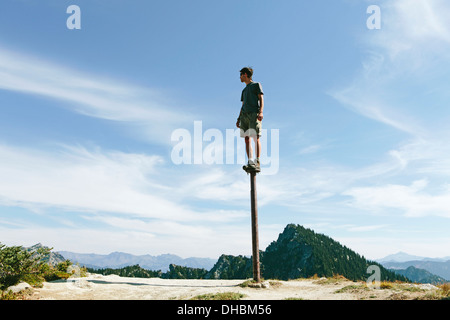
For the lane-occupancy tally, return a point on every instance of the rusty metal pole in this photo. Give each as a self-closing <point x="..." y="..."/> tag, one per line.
<point x="255" y="237"/>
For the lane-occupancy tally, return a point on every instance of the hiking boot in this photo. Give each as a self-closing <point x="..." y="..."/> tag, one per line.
<point x="250" y="166"/>
<point x="257" y="166"/>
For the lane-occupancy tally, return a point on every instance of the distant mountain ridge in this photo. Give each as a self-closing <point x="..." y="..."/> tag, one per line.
<point x="420" y="275"/>
<point x="404" y="257"/>
<point x="121" y="259"/>
<point x="438" y="268"/>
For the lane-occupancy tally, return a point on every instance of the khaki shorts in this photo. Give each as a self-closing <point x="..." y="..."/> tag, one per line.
<point x="250" y="125"/>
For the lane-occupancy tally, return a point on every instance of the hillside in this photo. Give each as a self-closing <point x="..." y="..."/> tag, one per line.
<point x="439" y="268"/>
<point x="420" y="275"/>
<point x="231" y="267"/>
<point x="136" y="271"/>
<point x="301" y="253"/>
<point x="53" y="258"/>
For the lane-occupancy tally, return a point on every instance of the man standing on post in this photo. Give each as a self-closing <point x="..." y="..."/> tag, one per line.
<point x="250" y="117"/>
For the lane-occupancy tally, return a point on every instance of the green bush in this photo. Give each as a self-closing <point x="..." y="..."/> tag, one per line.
<point x="17" y="264"/>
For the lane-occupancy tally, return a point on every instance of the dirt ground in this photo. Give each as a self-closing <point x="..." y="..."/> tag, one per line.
<point x="112" y="287"/>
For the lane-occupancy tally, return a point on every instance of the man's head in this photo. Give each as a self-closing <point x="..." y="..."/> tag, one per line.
<point x="246" y="74"/>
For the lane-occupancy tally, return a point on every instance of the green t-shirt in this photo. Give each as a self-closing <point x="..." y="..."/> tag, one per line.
<point x="250" y="97"/>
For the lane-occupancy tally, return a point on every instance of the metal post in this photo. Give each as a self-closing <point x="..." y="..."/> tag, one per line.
<point x="255" y="241"/>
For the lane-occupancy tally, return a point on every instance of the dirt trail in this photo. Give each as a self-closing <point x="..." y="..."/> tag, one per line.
<point x="98" y="287"/>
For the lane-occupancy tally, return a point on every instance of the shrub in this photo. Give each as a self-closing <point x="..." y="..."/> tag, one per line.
<point x="386" y="285"/>
<point x="219" y="296"/>
<point x="445" y="289"/>
<point x="17" y="264"/>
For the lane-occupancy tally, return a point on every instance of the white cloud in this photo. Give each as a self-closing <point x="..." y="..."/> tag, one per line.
<point x="75" y="178"/>
<point x="310" y="149"/>
<point x="362" y="98"/>
<point x="128" y="235"/>
<point x="412" y="199"/>
<point x="92" y="95"/>
<point x="406" y="60"/>
<point x="400" y="84"/>
<point x="411" y="24"/>
<point x="367" y="228"/>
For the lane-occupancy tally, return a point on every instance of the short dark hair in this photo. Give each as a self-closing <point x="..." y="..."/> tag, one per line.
<point x="248" y="71"/>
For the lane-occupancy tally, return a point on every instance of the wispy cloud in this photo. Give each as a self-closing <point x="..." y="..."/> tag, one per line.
<point x="136" y="236"/>
<point x="363" y="101"/>
<point x="414" y="25"/>
<point x="75" y="178"/>
<point x="405" y="61"/>
<point x="92" y="95"/>
<point x="414" y="200"/>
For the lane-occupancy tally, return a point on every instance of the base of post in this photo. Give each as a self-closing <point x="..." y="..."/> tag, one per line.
<point x="251" y="170"/>
<point x="261" y="284"/>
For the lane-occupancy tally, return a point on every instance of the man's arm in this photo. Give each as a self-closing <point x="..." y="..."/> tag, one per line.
<point x="239" y="118"/>
<point x="261" y="106"/>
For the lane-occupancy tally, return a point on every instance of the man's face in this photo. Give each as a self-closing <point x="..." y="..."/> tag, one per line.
<point x="244" y="77"/>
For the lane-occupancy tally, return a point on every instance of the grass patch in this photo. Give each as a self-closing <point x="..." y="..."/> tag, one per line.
<point x="247" y="283"/>
<point x="443" y="293"/>
<point x="352" y="288"/>
<point x="336" y="279"/>
<point x="445" y="289"/>
<point x="220" y="296"/>
<point x="22" y="295"/>
<point x="386" y="285"/>
<point x="275" y="284"/>
<point x="411" y="288"/>
<point x="254" y="284"/>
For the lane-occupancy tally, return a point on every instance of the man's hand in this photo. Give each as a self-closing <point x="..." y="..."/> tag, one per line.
<point x="260" y="116"/>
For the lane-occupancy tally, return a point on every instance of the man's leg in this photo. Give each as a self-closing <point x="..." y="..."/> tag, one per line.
<point x="257" y="146"/>
<point x="258" y="152"/>
<point x="248" y="148"/>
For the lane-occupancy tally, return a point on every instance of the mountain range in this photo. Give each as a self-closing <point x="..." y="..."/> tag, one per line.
<point x="121" y="259"/>
<point x="404" y="257"/>
<point x="420" y="275"/>
<point x="417" y="268"/>
<point x="438" y="268"/>
<point x="297" y="253"/>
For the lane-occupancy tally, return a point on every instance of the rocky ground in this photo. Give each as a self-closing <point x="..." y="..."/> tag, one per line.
<point x="98" y="287"/>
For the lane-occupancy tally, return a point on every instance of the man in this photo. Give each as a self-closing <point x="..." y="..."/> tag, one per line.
<point x="250" y="117"/>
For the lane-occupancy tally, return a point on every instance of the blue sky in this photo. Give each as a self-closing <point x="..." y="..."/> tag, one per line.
<point x="87" y="118"/>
